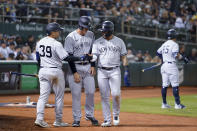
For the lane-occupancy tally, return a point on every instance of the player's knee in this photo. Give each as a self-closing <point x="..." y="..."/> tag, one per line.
<point x="115" y="93"/>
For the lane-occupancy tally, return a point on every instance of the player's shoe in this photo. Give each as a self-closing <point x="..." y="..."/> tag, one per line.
<point x="93" y="120"/>
<point x="60" y="124"/>
<point x="116" y="120"/>
<point x="165" y="106"/>
<point x="41" y="123"/>
<point x="106" y="124"/>
<point x="179" y="106"/>
<point x="76" y="124"/>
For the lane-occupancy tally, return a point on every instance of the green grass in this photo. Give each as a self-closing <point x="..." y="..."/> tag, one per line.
<point x="153" y="106"/>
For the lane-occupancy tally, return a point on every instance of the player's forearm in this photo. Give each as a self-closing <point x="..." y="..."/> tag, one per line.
<point x="72" y="58"/>
<point x="124" y="60"/>
<point x="72" y="66"/>
<point x="94" y="58"/>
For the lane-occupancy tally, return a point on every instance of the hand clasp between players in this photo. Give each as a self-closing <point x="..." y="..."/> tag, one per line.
<point x="87" y="57"/>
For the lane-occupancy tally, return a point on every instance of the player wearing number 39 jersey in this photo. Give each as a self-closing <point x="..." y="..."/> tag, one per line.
<point x="50" y="53"/>
<point x="169" y="71"/>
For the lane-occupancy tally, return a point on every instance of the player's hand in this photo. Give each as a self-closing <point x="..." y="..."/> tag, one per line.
<point x="92" y="71"/>
<point x="88" y="57"/>
<point x="77" y="77"/>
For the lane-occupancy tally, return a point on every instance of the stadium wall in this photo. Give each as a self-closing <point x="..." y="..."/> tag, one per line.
<point x="26" y="84"/>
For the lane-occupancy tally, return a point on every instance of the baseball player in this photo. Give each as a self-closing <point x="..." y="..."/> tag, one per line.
<point x="81" y="74"/>
<point x="50" y="54"/>
<point x="169" y="71"/>
<point x="108" y="50"/>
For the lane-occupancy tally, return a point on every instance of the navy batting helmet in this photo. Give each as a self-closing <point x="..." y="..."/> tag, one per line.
<point x="84" y="22"/>
<point x="107" y="26"/>
<point x="171" y="34"/>
<point x="53" y="27"/>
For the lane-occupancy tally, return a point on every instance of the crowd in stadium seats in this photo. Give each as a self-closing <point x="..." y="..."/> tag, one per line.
<point x="179" y="13"/>
<point x="15" y="48"/>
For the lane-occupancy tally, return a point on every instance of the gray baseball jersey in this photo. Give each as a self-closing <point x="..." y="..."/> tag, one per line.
<point x="79" y="45"/>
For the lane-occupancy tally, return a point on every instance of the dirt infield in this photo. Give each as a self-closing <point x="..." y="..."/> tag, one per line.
<point x="22" y="119"/>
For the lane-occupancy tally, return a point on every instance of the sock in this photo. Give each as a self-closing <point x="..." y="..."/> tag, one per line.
<point x="176" y="94"/>
<point x="164" y="92"/>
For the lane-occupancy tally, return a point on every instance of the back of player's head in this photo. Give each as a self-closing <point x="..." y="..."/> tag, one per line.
<point x="171" y="34"/>
<point x="84" y="22"/>
<point x="107" y="28"/>
<point x="53" y="27"/>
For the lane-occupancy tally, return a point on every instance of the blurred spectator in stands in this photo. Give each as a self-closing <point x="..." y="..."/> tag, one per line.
<point x="147" y="57"/>
<point x="11" y="39"/>
<point x="164" y="17"/>
<point x="10" y="56"/>
<point x="1" y="37"/>
<point x="19" y="40"/>
<point x="193" y="56"/>
<point x="23" y="54"/>
<point x="10" y="11"/>
<point x="180" y="22"/>
<point x="172" y="18"/>
<point x="130" y="56"/>
<point x="156" y="59"/>
<point x="3" y="50"/>
<point x="139" y="56"/>
<point x="10" y="48"/>
<point x="17" y="50"/>
<point x="194" y="25"/>
<point x="30" y="42"/>
<point x="33" y="54"/>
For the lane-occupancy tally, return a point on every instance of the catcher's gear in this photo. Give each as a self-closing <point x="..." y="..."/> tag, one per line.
<point x="84" y="22"/>
<point x="53" y="27"/>
<point x="107" y="28"/>
<point x="171" y="34"/>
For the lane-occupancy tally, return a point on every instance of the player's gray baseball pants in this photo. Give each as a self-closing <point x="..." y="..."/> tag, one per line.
<point x="110" y="80"/>
<point x="51" y="78"/>
<point x="87" y="81"/>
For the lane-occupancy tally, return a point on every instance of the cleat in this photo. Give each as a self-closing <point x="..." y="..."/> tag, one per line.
<point x="76" y="124"/>
<point x="179" y="106"/>
<point x="41" y="123"/>
<point x="106" y="124"/>
<point x="93" y="120"/>
<point x="116" y="120"/>
<point x="165" y="106"/>
<point x="60" y="124"/>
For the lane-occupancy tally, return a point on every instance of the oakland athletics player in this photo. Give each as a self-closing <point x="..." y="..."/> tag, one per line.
<point x="81" y="74"/>
<point x="108" y="50"/>
<point x="50" y="54"/>
<point x="169" y="71"/>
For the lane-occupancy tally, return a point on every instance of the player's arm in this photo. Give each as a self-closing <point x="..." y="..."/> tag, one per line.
<point x="38" y="58"/>
<point x="124" y="60"/>
<point x="183" y="57"/>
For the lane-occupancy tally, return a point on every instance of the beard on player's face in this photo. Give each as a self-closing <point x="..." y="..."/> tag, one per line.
<point x="55" y="34"/>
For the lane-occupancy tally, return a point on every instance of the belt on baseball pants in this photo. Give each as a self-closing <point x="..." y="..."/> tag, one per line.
<point x="83" y="63"/>
<point x="47" y="67"/>
<point x="170" y="62"/>
<point x="108" y="68"/>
